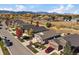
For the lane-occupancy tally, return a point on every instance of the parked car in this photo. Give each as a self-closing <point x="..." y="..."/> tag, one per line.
<point x="49" y="49"/>
<point x="0" y="27"/>
<point x="8" y="43"/>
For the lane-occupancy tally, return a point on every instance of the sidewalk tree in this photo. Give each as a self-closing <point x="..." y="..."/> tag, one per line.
<point x="19" y="32"/>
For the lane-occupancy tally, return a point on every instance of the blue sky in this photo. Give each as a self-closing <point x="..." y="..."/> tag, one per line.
<point x="59" y="8"/>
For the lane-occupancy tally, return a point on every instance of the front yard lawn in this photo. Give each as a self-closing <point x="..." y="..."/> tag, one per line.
<point x="21" y="40"/>
<point x="32" y="49"/>
<point x="39" y="45"/>
<point x="14" y="34"/>
<point x="4" y="49"/>
<point x="54" y="53"/>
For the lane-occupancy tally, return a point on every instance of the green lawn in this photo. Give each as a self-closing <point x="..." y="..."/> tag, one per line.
<point x="32" y="49"/>
<point x="14" y="34"/>
<point x="54" y="53"/>
<point x="39" y="45"/>
<point x="4" y="49"/>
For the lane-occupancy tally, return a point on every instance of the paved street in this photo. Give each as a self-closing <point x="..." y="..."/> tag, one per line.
<point x="17" y="48"/>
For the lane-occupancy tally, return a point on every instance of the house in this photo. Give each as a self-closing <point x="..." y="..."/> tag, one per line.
<point x="27" y="26"/>
<point x="44" y="36"/>
<point x="73" y="39"/>
<point x="58" y="43"/>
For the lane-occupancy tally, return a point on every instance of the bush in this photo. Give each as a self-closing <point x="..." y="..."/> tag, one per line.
<point x="26" y="37"/>
<point x="48" y="24"/>
<point x="21" y="40"/>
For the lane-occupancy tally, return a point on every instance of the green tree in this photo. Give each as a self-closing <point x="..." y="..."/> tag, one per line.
<point x="48" y="24"/>
<point x="67" y="49"/>
<point x="30" y="32"/>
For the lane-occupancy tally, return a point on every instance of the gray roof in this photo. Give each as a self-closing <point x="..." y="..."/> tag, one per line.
<point x="47" y="34"/>
<point x="35" y="28"/>
<point x="27" y="26"/>
<point x="60" y="41"/>
<point x="73" y="39"/>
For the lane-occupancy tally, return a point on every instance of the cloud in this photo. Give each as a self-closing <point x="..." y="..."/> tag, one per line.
<point x="9" y="9"/>
<point x="59" y="10"/>
<point x="17" y="8"/>
<point x="20" y="8"/>
<point x="62" y="9"/>
<point x="69" y="7"/>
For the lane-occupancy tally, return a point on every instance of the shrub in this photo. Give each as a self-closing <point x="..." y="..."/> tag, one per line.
<point x="26" y="37"/>
<point x="48" y="24"/>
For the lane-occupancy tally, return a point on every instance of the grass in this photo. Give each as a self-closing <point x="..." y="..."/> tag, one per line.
<point x="4" y="49"/>
<point x="54" y="53"/>
<point x="39" y="45"/>
<point x="42" y="46"/>
<point x="32" y="49"/>
<point x="21" y="40"/>
<point x="14" y="34"/>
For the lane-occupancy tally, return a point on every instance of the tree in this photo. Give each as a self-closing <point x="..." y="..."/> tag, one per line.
<point x="19" y="32"/>
<point x="70" y="18"/>
<point x="30" y="32"/>
<point x="31" y="21"/>
<point x="37" y="23"/>
<point x="48" y="24"/>
<point x="67" y="49"/>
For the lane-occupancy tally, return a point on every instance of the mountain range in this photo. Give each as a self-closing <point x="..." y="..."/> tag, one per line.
<point x="23" y="12"/>
<point x="26" y="12"/>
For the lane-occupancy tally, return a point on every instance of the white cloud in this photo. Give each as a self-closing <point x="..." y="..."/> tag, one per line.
<point x="9" y="9"/>
<point x="69" y="8"/>
<point x="17" y="8"/>
<point x="20" y="8"/>
<point x="59" y="10"/>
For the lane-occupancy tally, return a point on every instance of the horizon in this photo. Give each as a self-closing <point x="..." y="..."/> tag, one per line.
<point x="50" y="8"/>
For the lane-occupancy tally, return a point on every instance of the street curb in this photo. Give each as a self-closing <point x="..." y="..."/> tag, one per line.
<point x="23" y="45"/>
<point x="9" y="50"/>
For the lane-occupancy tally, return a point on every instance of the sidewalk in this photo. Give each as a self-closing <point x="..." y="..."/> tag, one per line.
<point x="1" y="53"/>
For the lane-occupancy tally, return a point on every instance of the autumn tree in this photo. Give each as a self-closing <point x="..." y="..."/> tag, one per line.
<point x="19" y="32"/>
